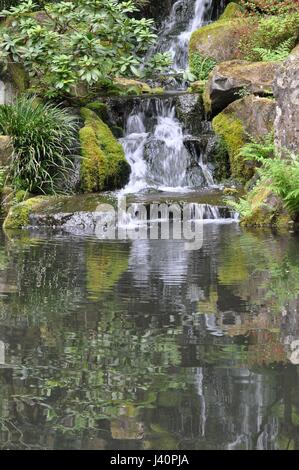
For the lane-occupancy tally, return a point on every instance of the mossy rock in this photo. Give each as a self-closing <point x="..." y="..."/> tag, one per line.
<point x="250" y="116"/>
<point x="19" y="77"/>
<point x="232" y="10"/>
<point x="236" y="78"/>
<point x="220" y="40"/>
<point x="104" y="166"/>
<point x="232" y="133"/>
<point x="18" y="215"/>
<point x="131" y="86"/>
<point x="265" y="209"/>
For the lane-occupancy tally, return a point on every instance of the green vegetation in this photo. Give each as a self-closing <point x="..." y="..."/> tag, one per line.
<point x="278" y="176"/>
<point x="270" y="7"/>
<point x="77" y="42"/>
<point x="43" y="138"/>
<point x="201" y="66"/>
<point x="104" y="165"/>
<point x="232" y="133"/>
<point x="273" y="37"/>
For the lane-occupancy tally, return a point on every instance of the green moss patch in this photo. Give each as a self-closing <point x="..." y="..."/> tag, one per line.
<point x="231" y="11"/>
<point x="18" y="215"/>
<point x="104" y="166"/>
<point x="231" y="131"/>
<point x="264" y="209"/>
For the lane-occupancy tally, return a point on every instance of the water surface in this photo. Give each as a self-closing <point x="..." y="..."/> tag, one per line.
<point x="140" y="344"/>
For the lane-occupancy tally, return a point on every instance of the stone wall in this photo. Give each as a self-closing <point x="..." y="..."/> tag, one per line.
<point x="286" y="90"/>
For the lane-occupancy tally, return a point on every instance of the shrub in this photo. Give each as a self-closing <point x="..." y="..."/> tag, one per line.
<point x="273" y="34"/>
<point x="201" y="66"/>
<point x="76" y="42"/>
<point x="270" y="7"/>
<point x="279" y="175"/>
<point x="43" y="139"/>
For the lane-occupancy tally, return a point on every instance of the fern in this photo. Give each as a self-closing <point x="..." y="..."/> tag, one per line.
<point x="278" y="54"/>
<point x="281" y="175"/>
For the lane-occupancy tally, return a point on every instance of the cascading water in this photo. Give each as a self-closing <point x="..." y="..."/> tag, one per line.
<point x="186" y="16"/>
<point x="155" y="147"/>
<point x="162" y="154"/>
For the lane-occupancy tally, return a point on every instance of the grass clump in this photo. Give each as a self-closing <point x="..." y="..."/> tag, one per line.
<point x="43" y="138"/>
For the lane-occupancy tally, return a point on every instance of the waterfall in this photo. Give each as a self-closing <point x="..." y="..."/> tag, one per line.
<point x="186" y="16"/>
<point x="155" y="147"/>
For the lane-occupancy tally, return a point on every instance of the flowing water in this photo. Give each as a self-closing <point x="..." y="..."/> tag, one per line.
<point x="155" y="147"/>
<point x="141" y="344"/>
<point x="185" y="17"/>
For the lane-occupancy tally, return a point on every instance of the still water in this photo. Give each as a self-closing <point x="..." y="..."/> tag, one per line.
<point x="140" y="344"/>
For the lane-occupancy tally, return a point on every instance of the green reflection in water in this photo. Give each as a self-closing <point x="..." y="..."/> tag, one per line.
<point x="140" y="345"/>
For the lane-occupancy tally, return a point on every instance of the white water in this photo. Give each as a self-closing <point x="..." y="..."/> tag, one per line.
<point x="155" y="140"/>
<point x="154" y="147"/>
<point x="191" y="13"/>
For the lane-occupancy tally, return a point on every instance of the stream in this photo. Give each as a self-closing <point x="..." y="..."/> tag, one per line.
<point x="141" y="343"/>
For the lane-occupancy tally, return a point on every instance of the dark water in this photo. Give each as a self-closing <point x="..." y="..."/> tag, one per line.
<point x="137" y="345"/>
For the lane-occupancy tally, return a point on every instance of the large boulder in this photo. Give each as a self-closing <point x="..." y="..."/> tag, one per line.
<point x="220" y="40"/>
<point x="286" y="91"/>
<point x="190" y="111"/>
<point x="103" y="166"/>
<point x="77" y="213"/>
<point x="250" y="116"/>
<point x="231" y="79"/>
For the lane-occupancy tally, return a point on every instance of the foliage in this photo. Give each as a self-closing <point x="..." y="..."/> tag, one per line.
<point x="43" y="139"/>
<point x="277" y="174"/>
<point x="270" y="7"/>
<point x="272" y="38"/>
<point x="70" y="42"/>
<point x="201" y="66"/>
<point x="158" y="63"/>
<point x="280" y="53"/>
<point x="282" y="176"/>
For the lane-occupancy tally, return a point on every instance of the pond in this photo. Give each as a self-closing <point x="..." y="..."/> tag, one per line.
<point x="143" y="345"/>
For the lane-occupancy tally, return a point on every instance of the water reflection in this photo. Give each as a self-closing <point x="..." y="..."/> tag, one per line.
<point x="144" y="345"/>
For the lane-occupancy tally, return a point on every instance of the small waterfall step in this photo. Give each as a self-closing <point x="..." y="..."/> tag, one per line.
<point x="161" y="153"/>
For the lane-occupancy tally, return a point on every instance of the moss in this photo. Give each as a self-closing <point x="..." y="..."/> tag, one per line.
<point x="131" y="86"/>
<point x="18" y="215"/>
<point x="104" y="165"/>
<point x="206" y="97"/>
<point x="265" y="209"/>
<point x="231" y="11"/>
<point x="231" y="130"/>
<point x="18" y="76"/>
<point x="204" y="33"/>
<point x="157" y="91"/>
<point x="98" y="107"/>
<point x="197" y="87"/>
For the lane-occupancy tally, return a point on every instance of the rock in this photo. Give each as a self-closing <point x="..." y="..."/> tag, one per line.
<point x="104" y="165"/>
<point x="265" y="209"/>
<point x="6" y="150"/>
<point x="286" y="91"/>
<point x="250" y="116"/>
<point x="220" y="40"/>
<point x="231" y="11"/>
<point x="190" y="111"/>
<point x="76" y="214"/>
<point x="131" y="86"/>
<point x="229" y="79"/>
<point x="7" y="92"/>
